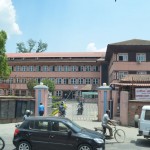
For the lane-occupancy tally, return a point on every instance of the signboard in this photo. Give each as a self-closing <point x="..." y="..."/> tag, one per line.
<point x="142" y="93"/>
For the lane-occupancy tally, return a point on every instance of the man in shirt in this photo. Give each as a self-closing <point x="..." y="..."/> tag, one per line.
<point x="106" y="121"/>
<point x="41" y="109"/>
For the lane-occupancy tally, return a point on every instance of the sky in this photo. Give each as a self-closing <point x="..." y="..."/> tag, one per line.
<point x="74" y="25"/>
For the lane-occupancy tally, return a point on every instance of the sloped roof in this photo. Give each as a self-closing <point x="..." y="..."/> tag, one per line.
<point x="125" y="46"/>
<point x="134" y="80"/>
<point x="56" y="54"/>
<point x="133" y="42"/>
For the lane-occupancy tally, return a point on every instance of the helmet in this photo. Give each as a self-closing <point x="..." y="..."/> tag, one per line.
<point x="28" y="112"/>
<point x="62" y="103"/>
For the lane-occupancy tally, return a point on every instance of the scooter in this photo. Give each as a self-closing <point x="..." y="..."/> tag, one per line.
<point x="61" y="114"/>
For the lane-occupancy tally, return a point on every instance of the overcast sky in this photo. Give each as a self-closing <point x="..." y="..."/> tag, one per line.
<point x="74" y="25"/>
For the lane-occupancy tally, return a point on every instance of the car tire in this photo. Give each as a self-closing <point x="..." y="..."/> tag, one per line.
<point x="24" y="146"/>
<point x="84" y="147"/>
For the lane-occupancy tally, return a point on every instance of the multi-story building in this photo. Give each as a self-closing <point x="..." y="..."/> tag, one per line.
<point x="128" y="57"/>
<point x="72" y="72"/>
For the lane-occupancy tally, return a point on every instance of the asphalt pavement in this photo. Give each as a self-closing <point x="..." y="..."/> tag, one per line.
<point x="132" y="141"/>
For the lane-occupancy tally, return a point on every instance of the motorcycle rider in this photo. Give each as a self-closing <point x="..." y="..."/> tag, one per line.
<point x="80" y="107"/>
<point x="27" y="114"/>
<point x="62" y="111"/>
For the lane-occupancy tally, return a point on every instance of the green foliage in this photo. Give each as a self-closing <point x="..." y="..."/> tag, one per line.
<point x="50" y="84"/>
<point x="32" y="45"/>
<point x="56" y="98"/>
<point x="30" y="84"/>
<point x="4" y="68"/>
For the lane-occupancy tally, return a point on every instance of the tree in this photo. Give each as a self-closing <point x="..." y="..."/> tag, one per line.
<point x="4" y="68"/>
<point x="50" y="84"/>
<point x="32" y="45"/>
<point x="30" y="85"/>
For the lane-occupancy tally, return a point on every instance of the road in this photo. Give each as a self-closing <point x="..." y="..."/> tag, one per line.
<point x="132" y="142"/>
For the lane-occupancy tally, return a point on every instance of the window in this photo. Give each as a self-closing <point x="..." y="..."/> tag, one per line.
<point x="58" y="93"/>
<point x="95" y="81"/>
<point x="41" y="125"/>
<point x="66" y="68"/>
<point x="58" y="126"/>
<point x="73" y="81"/>
<point x="73" y="68"/>
<point x="140" y="57"/>
<point x="45" y="68"/>
<point x="11" y="68"/>
<point x="52" y="79"/>
<point x="66" y="81"/>
<point x="122" y="74"/>
<point x="59" y="68"/>
<point x="17" y="68"/>
<point x="147" y="115"/>
<point x="80" y="68"/>
<point x="10" y="80"/>
<point x="141" y="72"/>
<point x="24" y="68"/>
<point x="122" y="57"/>
<point x="31" y="68"/>
<point x="81" y="81"/>
<point x="38" y="68"/>
<point x="59" y="81"/>
<point x="95" y="68"/>
<point x="88" y="68"/>
<point x="88" y="81"/>
<point x="52" y="68"/>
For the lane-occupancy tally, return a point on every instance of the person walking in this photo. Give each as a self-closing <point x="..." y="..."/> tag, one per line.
<point x="41" y="109"/>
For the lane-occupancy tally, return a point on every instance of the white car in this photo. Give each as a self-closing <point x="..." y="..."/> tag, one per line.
<point x="144" y="122"/>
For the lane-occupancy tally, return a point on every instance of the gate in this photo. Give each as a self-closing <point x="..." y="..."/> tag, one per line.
<point x="90" y="111"/>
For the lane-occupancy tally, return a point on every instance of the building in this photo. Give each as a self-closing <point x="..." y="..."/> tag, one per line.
<point x="72" y="73"/>
<point x="129" y="77"/>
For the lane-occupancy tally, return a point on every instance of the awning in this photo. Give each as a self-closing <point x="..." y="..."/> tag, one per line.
<point x="132" y="84"/>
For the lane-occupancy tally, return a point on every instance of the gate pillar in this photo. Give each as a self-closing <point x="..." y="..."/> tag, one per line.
<point x="103" y="97"/>
<point x="41" y="95"/>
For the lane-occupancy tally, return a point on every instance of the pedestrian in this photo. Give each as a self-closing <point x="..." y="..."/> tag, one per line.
<point x="41" y="109"/>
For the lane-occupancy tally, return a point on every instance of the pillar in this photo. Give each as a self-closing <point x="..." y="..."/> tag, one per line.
<point x="124" y="108"/>
<point x="103" y="98"/>
<point x="41" y="95"/>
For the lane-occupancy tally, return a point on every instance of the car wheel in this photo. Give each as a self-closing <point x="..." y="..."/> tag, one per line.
<point x="84" y="147"/>
<point x="24" y="146"/>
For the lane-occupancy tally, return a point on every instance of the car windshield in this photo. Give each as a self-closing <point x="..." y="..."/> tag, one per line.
<point x="73" y="126"/>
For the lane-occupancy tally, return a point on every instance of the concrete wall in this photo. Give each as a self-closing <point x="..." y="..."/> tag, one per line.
<point x="12" y="109"/>
<point x="135" y="107"/>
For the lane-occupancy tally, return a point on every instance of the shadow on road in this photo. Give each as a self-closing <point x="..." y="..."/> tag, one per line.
<point x="141" y="142"/>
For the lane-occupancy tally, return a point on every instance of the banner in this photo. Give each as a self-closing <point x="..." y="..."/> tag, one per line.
<point x="142" y="93"/>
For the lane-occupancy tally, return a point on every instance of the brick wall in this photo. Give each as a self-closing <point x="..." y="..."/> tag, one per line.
<point x="135" y="107"/>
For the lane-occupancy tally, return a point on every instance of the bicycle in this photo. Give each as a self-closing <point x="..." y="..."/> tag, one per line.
<point x="2" y="144"/>
<point x="118" y="134"/>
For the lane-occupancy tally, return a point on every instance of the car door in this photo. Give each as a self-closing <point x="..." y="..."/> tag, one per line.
<point x="59" y="137"/>
<point x="39" y="135"/>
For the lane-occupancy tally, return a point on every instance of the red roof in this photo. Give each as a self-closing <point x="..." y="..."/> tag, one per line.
<point x="57" y="54"/>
